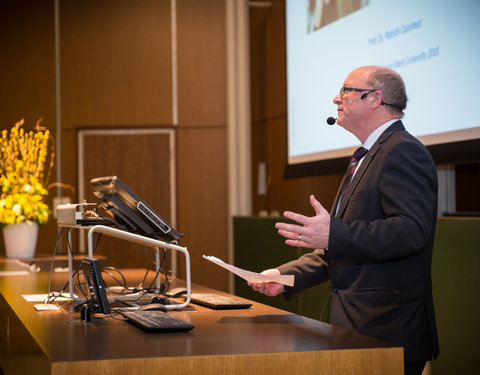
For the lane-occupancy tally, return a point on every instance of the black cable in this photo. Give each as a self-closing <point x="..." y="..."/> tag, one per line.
<point x="117" y="313"/>
<point x="140" y="285"/>
<point x="77" y="267"/>
<point x="143" y="291"/>
<point x="167" y="283"/>
<point x="164" y="287"/>
<point x="97" y="241"/>
<point x="165" y="274"/>
<point x="51" y="265"/>
<point x="79" y="287"/>
<point x="160" y="270"/>
<point x="122" y="284"/>
<point x="59" y="293"/>
<point x="69" y="248"/>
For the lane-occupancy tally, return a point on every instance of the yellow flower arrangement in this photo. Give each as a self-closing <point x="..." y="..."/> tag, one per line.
<point x="22" y="175"/>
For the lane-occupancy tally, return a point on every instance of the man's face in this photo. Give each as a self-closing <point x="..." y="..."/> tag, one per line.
<point x="350" y="107"/>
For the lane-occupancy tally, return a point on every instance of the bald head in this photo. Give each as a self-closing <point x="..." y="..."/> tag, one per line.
<point x="390" y="84"/>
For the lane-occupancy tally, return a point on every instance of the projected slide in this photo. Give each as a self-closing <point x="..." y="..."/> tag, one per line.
<point x="433" y="44"/>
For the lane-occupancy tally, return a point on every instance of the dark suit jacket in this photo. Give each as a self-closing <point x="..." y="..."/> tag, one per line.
<point x="380" y="248"/>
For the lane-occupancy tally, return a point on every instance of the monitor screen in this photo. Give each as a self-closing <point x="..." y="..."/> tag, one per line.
<point x="129" y="211"/>
<point x="96" y="293"/>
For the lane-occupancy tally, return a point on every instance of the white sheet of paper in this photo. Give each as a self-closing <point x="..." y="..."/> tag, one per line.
<point x="14" y="273"/>
<point x="41" y="297"/>
<point x="46" y="307"/>
<point x="250" y="276"/>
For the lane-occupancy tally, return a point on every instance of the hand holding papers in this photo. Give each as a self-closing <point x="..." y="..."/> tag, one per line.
<point x="252" y="277"/>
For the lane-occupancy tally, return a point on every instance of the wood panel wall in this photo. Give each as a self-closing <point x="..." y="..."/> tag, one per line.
<point x="116" y="73"/>
<point x="201" y="142"/>
<point x="27" y="75"/>
<point x="141" y="159"/>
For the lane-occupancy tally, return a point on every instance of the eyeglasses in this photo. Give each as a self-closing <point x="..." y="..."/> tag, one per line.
<point x="345" y="89"/>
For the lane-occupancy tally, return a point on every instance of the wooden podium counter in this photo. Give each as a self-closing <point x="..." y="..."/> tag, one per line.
<point x="258" y="340"/>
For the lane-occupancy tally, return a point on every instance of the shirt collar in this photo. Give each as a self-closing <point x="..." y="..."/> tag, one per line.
<point x="372" y="138"/>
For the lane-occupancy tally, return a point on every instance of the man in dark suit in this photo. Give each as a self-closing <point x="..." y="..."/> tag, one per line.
<point x="376" y="244"/>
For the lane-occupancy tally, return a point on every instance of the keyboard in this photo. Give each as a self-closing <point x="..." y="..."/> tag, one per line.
<point x="219" y="302"/>
<point x="156" y="321"/>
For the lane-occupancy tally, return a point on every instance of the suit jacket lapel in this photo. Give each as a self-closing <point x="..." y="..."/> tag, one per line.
<point x="367" y="159"/>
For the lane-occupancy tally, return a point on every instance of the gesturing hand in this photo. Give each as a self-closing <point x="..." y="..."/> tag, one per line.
<point x="313" y="232"/>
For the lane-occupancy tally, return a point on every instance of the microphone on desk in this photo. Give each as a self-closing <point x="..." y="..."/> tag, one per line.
<point x="331" y="121"/>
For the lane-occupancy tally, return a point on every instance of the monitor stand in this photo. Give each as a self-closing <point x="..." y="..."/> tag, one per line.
<point x="142" y="240"/>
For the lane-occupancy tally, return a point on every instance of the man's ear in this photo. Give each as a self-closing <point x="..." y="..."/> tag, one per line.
<point x="376" y="99"/>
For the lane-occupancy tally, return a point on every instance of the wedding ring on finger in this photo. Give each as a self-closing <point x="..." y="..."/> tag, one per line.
<point x="299" y="237"/>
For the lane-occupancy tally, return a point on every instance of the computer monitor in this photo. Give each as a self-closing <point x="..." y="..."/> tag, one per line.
<point x="129" y="211"/>
<point x="96" y="294"/>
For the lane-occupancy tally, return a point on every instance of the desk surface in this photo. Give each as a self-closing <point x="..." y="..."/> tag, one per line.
<point x="260" y="338"/>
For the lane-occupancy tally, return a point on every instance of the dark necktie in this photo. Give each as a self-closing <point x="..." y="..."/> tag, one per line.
<point x="357" y="156"/>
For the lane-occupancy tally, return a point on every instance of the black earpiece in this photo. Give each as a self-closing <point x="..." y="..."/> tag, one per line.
<point x="365" y="95"/>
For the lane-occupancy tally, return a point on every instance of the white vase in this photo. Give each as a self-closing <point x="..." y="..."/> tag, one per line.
<point x="20" y="239"/>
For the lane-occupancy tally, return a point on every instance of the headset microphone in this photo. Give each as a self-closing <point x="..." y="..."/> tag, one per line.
<point x="331" y="121"/>
<point x="366" y="94"/>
